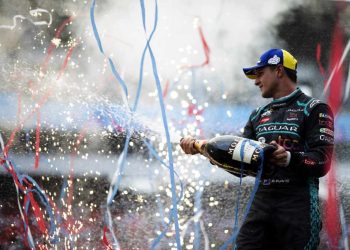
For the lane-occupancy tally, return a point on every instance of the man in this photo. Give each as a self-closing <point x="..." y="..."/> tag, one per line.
<point x="285" y="211"/>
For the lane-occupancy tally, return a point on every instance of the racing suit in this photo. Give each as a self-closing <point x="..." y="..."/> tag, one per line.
<point x="285" y="211"/>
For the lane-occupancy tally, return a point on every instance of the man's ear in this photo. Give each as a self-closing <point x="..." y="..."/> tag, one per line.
<point x="280" y="71"/>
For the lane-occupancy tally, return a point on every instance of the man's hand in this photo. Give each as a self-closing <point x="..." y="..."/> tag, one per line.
<point x="187" y="145"/>
<point x="280" y="157"/>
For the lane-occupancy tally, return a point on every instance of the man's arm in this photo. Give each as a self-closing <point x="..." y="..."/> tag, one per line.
<point x="248" y="131"/>
<point x="319" y="141"/>
<point x="188" y="143"/>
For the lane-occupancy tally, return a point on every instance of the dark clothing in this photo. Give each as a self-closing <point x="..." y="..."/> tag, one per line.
<point x="285" y="210"/>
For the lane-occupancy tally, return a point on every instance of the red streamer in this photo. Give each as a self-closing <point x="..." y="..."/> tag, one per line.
<point x="105" y="240"/>
<point x="205" y="47"/>
<point x="336" y="85"/>
<point x="35" y="207"/>
<point x="19" y="126"/>
<point x="52" y="45"/>
<point x="206" y="50"/>
<point x="38" y="214"/>
<point x="318" y="59"/>
<point x="332" y="219"/>
<point x="37" y="140"/>
<point x="166" y="88"/>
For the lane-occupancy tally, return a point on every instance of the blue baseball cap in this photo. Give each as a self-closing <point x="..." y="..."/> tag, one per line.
<point x="272" y="57"/>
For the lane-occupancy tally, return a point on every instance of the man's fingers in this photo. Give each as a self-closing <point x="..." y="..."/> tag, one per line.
<point x="278" y="151"/>
<point x="187" y="145"/>
<point x="280" y="156"/>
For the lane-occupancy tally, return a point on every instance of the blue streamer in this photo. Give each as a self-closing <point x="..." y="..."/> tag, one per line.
<point x="99" y="43"/>
<point x="167" y="134"/>
<point x="42" y="197"/>
<point x="121" y="164"/>
<point x="94" y="28"/>
<point x="198" y="206"/>
<point x="26" y="227"/>
<point x="143" y="13"/>
<point x="233" y="237"/>
<point x="238" y="199"/>
<point x="115" y="72"/>
<point x="138" y="92"/>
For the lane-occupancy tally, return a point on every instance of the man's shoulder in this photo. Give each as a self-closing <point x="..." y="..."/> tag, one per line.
<point x="309" y="103"/>
<point x="256" y="112"/>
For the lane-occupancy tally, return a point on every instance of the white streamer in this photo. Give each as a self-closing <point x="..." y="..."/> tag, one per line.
<point x="110" y="226"/>
<point x="34" y="13"/>
<point x="196" y="217"/>
<point x="347" y="87"/>
<point x="336" y="67"/>
<point x="206" y="238"/>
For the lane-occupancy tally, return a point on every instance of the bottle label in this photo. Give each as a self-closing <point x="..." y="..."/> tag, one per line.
<point x="250" y="152"/>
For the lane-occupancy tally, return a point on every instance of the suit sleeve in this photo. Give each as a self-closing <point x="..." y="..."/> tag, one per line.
<point x="319" y="143"/>
<point x="248" y="131"/>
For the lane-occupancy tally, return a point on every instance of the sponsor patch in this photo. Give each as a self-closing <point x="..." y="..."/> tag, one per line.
<point x="276" y="105"/>
<point x="323" y="115"/>
<point x="267" y="182"/>
<point x="314" y="102"/>
<point x="266" y="113"/>
<point x="263" y="120"/>
<point x="327" y="131"/>
<point x="327" y="139"/>
<point x="280" y="181"/>
<point x="292" y="116"/>
<point x="295" y="110"/>
<point x="310" y="162"/>
<point x="326" y="123"/>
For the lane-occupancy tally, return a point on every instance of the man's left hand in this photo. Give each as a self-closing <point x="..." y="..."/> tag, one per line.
<point x="280" y="157"/>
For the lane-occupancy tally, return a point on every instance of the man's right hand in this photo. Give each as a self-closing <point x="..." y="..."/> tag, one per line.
<point x="187" y="145"/>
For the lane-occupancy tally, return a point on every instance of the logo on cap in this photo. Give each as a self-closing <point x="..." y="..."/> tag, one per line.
<point x="274" y="60"/>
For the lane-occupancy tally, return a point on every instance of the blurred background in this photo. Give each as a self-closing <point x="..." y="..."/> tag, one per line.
<point x="100" y="155"/>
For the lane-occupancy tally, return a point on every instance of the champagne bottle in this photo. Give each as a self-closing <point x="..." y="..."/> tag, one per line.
<point x="236" y="154"/>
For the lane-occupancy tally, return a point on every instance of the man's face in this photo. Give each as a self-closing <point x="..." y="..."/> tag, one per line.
<point x="266" y="80"/>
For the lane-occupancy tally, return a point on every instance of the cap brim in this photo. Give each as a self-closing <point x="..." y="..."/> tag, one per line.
<point x="251" y="72"/>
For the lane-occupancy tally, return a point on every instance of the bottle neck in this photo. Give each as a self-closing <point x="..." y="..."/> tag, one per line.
<point x="200" y="146"/>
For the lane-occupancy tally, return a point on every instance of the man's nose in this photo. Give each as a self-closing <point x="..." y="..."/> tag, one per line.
<point x="257" y="81"/>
